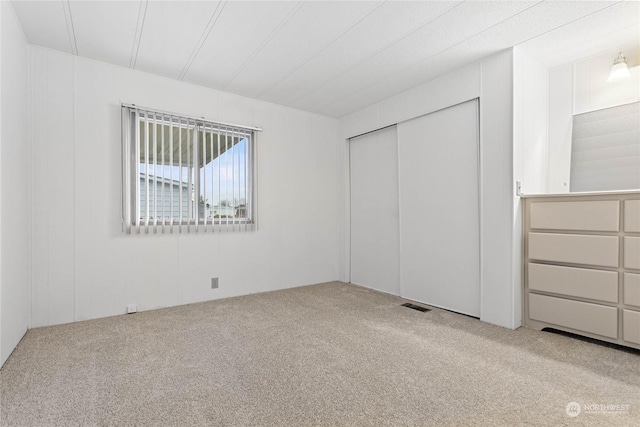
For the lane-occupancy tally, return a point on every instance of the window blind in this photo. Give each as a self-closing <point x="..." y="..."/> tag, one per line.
<point x="605" y="149"/>
<point x="186" y="174"/>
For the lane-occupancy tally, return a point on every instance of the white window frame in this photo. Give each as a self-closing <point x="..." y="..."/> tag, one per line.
<point x="203" y="134"/>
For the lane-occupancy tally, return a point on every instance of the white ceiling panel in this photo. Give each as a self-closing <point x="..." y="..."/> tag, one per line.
<point x="444" y="62"/>
<point x="387" y="24"/>
<point x="44" y="23"/>
<point x="613" y="26"/>
<point x="447" y="62"/>
<point x="315" y="27"/>
<point x="242" y="30"/>
<point x="328" y="57"/>
<point x="105" y="30"/>
<point x="543" y="18"/>
<point x="441" y="34"/>
<point x="171" y="33"/>
<point x="529" y="22"/>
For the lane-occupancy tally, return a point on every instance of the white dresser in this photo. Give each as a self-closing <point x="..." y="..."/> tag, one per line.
<point x="582" y="265"/>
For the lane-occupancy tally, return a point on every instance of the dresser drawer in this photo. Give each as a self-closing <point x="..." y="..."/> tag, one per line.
<point x="631" y="326"/>
<point x="632" y="289"/>
<point x="574" y="248"/>
<point x="587" y="216"/>
<point x="582" y="316"/>
<point x="577" y="282"/>
<point x="632" y="252"/>
<point x="632" y="216"/>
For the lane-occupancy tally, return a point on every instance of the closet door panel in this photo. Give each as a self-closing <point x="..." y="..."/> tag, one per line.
<point x="439" y="209"/>
<point x="374" y="211"/>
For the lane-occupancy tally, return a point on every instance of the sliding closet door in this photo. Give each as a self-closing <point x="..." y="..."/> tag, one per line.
<point x="439" y="215"/>
<point x="374" y="210"/>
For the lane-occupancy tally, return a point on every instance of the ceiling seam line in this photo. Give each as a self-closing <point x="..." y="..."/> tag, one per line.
<point x="135" y="35"/>
<point x="365" y="59"/>
<point x="314" y="54"/>
<point x="66" y="6"/>
<point x="264" y="43"/>
<point x="138" y="39"/>
<point x="203" y="38"/>
<point x="431" y="56"/>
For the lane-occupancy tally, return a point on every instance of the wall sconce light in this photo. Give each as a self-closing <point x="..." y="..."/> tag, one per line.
<point x="619" y="70"/>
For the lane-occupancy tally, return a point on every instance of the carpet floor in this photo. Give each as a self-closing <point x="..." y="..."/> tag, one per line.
<point x="330" y="354"/>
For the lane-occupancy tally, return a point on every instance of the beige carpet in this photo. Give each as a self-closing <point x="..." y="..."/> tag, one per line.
<point x="330" y="354"/>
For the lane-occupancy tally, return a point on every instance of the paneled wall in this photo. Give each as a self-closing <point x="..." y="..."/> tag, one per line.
<point x="14" y="179"/>
<point x="83" y="265"/>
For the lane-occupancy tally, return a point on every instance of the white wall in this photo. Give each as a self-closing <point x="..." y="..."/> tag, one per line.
<point x="530" y="88"/>
<point x="560" y="129"/>
<point x="500" y="303"/>
<point x="14" y="179"/>
<point x="84" y="267"/>
<point x="530" y="147"/>
<point x="580" y="87"/>
<point x="491" y="81"/>
<point x="593" y="92"/>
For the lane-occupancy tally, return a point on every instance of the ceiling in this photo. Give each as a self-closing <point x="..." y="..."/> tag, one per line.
<point x="329" y="57"/>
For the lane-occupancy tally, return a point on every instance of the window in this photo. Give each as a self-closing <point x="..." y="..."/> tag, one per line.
<point x="186" y="174"/>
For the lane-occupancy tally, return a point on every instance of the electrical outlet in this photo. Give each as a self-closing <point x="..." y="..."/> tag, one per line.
<point x="132" y="308"/>
<point x="214" y="283"/>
